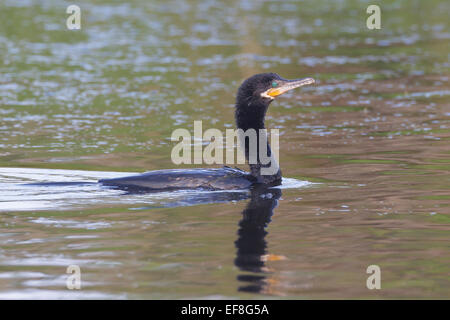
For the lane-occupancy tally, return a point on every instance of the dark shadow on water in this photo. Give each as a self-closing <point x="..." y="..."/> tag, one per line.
<point x="251" y="244"/>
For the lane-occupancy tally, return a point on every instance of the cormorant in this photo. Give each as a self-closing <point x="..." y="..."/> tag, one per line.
<point x="252" y="101"/>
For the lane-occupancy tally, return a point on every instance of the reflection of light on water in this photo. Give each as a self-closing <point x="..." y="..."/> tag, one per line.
<point x="439" y="93"/>
<point x="71" y="223"/>
<point x="290" y="183"/>
<point x="18" y="195"/>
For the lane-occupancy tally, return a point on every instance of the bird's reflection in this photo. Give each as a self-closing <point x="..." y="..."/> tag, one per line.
<point x="251" y="245"/>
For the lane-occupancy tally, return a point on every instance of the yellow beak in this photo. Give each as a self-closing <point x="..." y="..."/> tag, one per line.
<point x="287" y="85"/>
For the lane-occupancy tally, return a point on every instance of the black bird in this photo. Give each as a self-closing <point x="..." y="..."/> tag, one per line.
<point x="253" y="99"/>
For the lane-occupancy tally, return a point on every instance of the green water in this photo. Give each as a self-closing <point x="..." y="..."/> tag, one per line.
<point x="373" y="134"/>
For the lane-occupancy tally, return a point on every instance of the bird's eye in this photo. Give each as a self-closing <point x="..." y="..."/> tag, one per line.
<point x="274" y="84"/>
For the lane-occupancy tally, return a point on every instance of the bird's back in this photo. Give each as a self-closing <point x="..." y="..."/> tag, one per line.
<point x="225" y="178"/>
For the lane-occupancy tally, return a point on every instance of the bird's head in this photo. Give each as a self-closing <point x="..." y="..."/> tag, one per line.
<point x="263" y="88"/>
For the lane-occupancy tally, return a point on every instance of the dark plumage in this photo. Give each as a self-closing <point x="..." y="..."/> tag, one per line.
<point x="252" y="101"/>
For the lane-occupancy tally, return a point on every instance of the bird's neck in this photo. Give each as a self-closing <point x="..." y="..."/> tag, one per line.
<point x="251" y="116"/>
